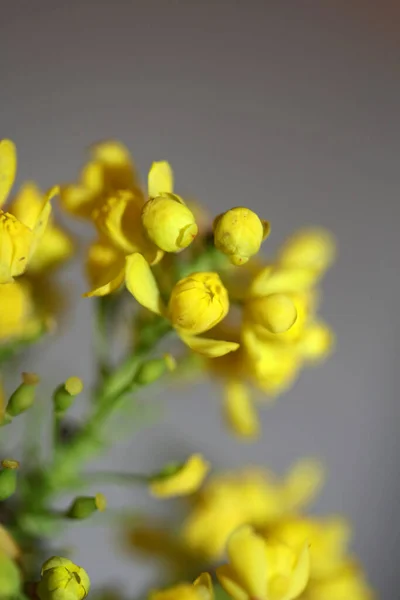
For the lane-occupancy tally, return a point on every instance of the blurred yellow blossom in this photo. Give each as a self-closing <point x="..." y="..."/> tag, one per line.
<point x="347" y="583"/>
<point x="180" y="479"/>
<point x="239" y="233"/>
<point x="250" y="496"/>
<point x="19" y="318"/>
<point x="201" y="589"/>
<point x="312" y="248"/>
<point x="197" y="303"/>
<point x="263" y="569"/>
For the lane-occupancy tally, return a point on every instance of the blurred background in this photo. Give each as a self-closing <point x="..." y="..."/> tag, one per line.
<point x="290" y="108"/>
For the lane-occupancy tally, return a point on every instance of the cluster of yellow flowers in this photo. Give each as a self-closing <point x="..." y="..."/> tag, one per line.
<point x="252" y="324"/>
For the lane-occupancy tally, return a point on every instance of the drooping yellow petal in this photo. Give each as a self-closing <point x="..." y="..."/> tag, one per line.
<point x="208" y="347"/>
<point x="227" y="578"/>
<point x="142" y="284"/>
<point x="8" y="168"/>
<point x="105" y="268"/>
<point x="248" y="558"/>
<point x="180" y="480"/>
<point x="15" y="247"/>
<point x="239" y="409"/>
<point x="160" y="179"/>
<point x="316" y="342"/>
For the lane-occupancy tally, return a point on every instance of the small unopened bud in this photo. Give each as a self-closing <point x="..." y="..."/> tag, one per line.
<point x="62" y="580"/>
<point x="84" y="506"/>
<point x="64" y="395"/>
<point x="8" y="478"/>
<point x="24" y="395"/>
<point x="153" y="369"/>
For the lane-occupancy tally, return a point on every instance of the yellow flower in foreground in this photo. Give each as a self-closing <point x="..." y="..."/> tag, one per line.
<point x="250" y="496"/>
<point x="197" y="303"/>
<point x="239" y="233"/>
<point x="201" y="589"/>
<point x="265" y="570"/>
<point x="19" y="236"/>
<point x="169" y="223"/>
<point x="180" y="479"/>
<point x="328" y="539"/>
<point x="62" y="580"/>
<point x="348" y="583"/>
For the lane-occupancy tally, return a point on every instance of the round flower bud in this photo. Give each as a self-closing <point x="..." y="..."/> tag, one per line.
<point x="155" y="368"/>
<point x="169" y="223"/>
<point x="24" y="395"/>
<point x="64" y="395"/>
<point x="8" y="478"/>
<point x="276" y="312"/>
<point x="238" y="233"/>
<point x="62" y="580"/>
<point x="84" y="506"/>
<point x="198" y="302"/>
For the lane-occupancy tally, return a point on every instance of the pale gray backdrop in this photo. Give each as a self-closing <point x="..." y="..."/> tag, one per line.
<point x="291" y="108"/>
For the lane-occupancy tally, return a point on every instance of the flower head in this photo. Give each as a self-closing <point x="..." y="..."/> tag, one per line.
<point x="197" y="304"/>
<point x="266" y="570"/>
<point x="62" y="580"/>
<point x="180" y="479"/>
<point x="239" y="233"/>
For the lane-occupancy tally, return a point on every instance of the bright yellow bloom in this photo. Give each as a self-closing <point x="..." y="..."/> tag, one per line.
<point x="180" y="480"/>
<point x="201" y="589"/>
<point x="62" y="580"/>
<point x="169" y="223"/>
<point x="197" y="303"/>
<point x="238" y="233"/>
<point x="348" y="583"/>
<point x="263" y="569"/>
<point x="252" y="496"/>
<point x="19" y="234"/>
<point x="328" y="539"/>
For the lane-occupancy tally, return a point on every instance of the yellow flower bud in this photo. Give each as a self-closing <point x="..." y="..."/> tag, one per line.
<point x="84" y="506"/>
<point x="238" y="233"/>
<point x="8" y="478"/>
<point x="62" y="580"/>
<point x="64" y="395"/>
<point x="24" y="395"/>
<point x="180" y="479"/>
<point x="276" y="312"/>
<point x="169" y="222"/>
<point x="198" y="302"/>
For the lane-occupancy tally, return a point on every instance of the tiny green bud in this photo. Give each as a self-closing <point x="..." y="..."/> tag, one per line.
<point x="84" y="506"/>
<point x="24" y="395"/>
<point x="64" y="395"/>
<point x="10" y="578"/>
<point x="62" y="580"/>
<point x="8" y="478"/>
<point x="155" y="368"/>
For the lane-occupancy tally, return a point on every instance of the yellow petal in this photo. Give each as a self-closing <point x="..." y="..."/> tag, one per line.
<point x="105" y="267"/>
<point x="80" y="199"/>
<point x="303" y="482"/>
<point x="282" y="280"/>
<point x="116" y="161"/>
<point x="54" y="248"/>
<point x="208" y="347"/>
<point x="204" y="586"/>
<point x="228" y="581"/>
<point x="27" y="204"/>
<point x="8" y="168"/>
<point x="142" y="284"/>
<point x="181" y="481"/>
<point x="301" y="574"/>
<point x="15" y="247"/>
<point x="239" y="409"/>
<point x="160" y="179"/>
<point x="248" y="558"/>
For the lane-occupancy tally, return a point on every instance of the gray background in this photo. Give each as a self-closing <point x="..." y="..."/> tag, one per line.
<point x="290" y="108"/>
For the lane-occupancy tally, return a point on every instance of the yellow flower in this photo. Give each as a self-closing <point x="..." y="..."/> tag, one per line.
<point x="197" y="304"/>
<point x="201" y="589"/>
<point x="348" y="583"/>
<point x="328" y="539"/>
<point x="180" y="479"/>
<point x="251" y="496"/>
<point x="312" y="248"/>
<point x="266" y="570"/>
<point x="20" y="234"/>
<point x="168" y="222"/>
<point x="62" y="580"/>
<point x="238" y="233"/>
<point x="18" y="316"/>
